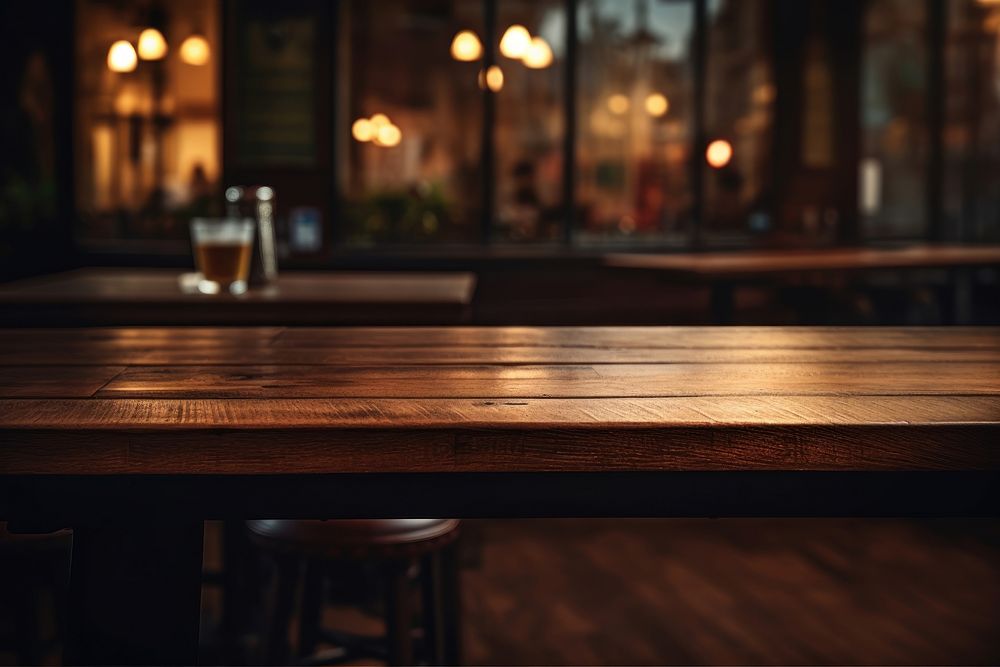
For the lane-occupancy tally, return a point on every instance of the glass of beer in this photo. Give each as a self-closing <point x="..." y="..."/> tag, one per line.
<point x="222" y="248"/>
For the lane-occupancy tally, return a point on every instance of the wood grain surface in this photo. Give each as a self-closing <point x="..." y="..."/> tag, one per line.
<point x="273" y="400"/>
<point x="158" y="296"/>
<point x="755" y="263"/>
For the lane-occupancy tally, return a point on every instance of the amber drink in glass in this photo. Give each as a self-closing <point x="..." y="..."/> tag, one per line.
<point x="222" y="248"/>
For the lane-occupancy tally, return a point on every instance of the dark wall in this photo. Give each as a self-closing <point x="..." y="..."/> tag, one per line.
<point x="36" y="89"/>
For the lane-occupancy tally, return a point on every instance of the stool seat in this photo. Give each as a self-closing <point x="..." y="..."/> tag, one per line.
<point x="344" y="537"/>
<point x="403" y="552"/>
<point x="24" y="540"/>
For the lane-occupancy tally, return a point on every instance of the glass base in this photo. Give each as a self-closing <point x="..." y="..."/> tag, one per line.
<point x="213" y="287"/>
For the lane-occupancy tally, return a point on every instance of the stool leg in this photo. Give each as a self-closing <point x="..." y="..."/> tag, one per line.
<point x="26" y="625"/>
<point x="286" y="575"/>
<point x="430" y="585"/>
<point x="451" y="608"/>
<point x="312" y="608"/>
<point x="397" y="614"/>
<point x="240" y="583"/>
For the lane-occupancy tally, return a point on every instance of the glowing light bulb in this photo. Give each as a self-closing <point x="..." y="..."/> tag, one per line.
<point x="379" y="119"/>
<point x="388" y="135"/>
<point x="719" y="153"/>
<point x="515" y="41"/>
<point x="121" y="57"/>
<point x="492" y="78"/>
<point x="618" y="104"/>
<point x="539" y="54"/>
<point x="363" y="130"/>
<point x="657" y="104"/>
<point x="151" y="45"/>
<point x="195" y="50"/>
<point x="466" y="46"/>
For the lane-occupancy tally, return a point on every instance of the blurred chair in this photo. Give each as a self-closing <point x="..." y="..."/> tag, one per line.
<point x="32" y="564"/>
<point x="404" y="551"/>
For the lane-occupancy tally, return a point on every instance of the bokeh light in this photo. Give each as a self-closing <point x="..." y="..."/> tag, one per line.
<point x="195" y="50"/>
<point x="388" y="135"/>
<point x="492" y="78"/>
<point x="466" y="47"/>
<point x="719" y="153"/>
<point x="539" y="54"/>
<point x="657" y="104"/>
<point x="151" y="45"/>
<point x="515" y="41"/>
<point x="122" y="57"/>
<point x="618" y="104"/>
<point x="363" y="130"/>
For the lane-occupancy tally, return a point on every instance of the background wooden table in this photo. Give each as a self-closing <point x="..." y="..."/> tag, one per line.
<point x="102" y="297"/>
<point x="724" y="271"/>
<point x="134" y="436"/>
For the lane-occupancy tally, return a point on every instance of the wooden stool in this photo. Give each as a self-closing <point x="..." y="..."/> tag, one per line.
<point x="32" y="561"/>
<point x="400" y="547"/>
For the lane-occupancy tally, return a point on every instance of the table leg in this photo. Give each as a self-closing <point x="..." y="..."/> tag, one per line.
<point x="722" y="302"/>
<point x="961" y="305"/>
<point x="135" y="592"/>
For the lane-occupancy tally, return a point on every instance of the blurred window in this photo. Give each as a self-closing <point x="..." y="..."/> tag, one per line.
<point x="634" y="121"/>
<point x="147" y="118"/>
<point x="412" y="114"/>
<point x="972" y="121"/>
<point x="530" y="113"/>
<point x="738" y="124"/>
<point x="894" y="141"/>
<point x="447" y="120"/>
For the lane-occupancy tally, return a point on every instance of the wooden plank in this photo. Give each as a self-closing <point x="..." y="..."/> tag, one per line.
<point x="782" y="338"/>
<point x="438" y="413"/>
<point x="138" y="336"/>
<point x="963" y="447"/>
<point x="901" y="409"/>
<point x="609" y="338"/>
<point x="609" y="380"/>
<point x="748" y="264"/>
<point x="262" y="353"/>
<point x="54" y="381"/>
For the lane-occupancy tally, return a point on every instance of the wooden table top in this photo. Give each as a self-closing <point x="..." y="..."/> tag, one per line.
<point x="148" y="296"/>
<point x="452" y="399"/>
<point x="723" y="265"/>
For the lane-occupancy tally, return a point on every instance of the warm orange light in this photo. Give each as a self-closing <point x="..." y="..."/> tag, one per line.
<point x="657" y="104"/>
<point x="363" y="130"/>
<point x="126" y="103"/>
<point x="493" y="78"/>
<point x="539" y="54"/>
<point x="380" y="119"/>
<point x="515" y="41"/>
<point x="466" y="47"/>
<point x="151" y="45"/>
<point x="763" y="93"/>
<point x="121" y="57"/>
<point x="719" y="153"/>
<point x="388" y="135"/>
<point x="618" y="104"/>
<point x="195" y="50"/>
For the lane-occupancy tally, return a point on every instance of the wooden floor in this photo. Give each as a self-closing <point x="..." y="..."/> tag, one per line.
<point x="734" y="592"/>
<point x="758" y="592"/>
